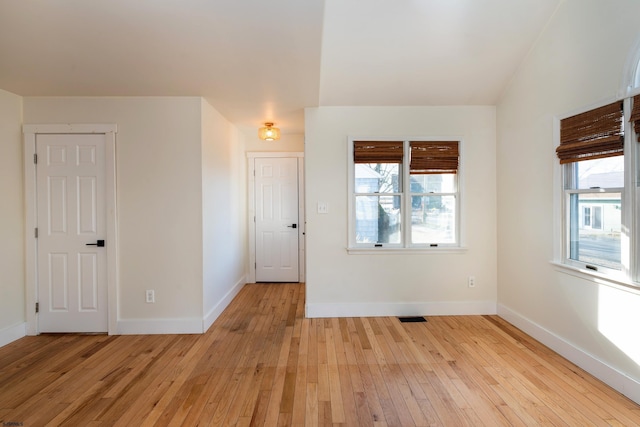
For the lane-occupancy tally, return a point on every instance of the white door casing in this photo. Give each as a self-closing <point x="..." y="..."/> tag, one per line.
<point x="70" y="198"/>
<point x="276" y="201"/>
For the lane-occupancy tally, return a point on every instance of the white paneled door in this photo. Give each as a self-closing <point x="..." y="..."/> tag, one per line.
<point x="277" y="226"/>
<point x="72" y="282"/>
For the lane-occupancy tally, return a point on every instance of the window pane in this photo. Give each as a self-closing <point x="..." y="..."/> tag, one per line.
<point x="597" y="218"/>
<point x="597" y="173"/>
<point x="595" y="234"/>
<point x="378" y="219"/>
<point x="586" y="216"/>
<point x="378" y="178"/>
<point x="436" y="183"/>
<point x="433" y="219"/>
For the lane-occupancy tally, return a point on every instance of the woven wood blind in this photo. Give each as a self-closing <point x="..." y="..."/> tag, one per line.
<point x="378" y="152"/>
<point x="433" y="157"/>
<point x="592" y="135"/>
<point x="635" y="115"/>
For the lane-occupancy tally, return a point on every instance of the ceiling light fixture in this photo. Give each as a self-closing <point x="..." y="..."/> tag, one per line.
<point x="268" y="132"/>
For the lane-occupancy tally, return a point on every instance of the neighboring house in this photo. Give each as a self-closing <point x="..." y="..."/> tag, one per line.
<point x="600" y="216"/>
<point x="600" y="213"/>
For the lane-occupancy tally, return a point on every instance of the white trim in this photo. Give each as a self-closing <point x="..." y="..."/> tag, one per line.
<point x="384" y="309"/>
<point x="558" y="197"/>
<point x="405" y="251"/>
<point x="192" y="325"/>
<point x="30" y="131"/>
<point x="251" y="216"/>
<point x="302" y="226"/>
<point x="611" y="376"/>
<point x="251" y="208"/>
<point x="12" y="333"/>
<point x="31" y="270"/>
<point x="351" y="202"/>
<point x="629" y="221"/>
<point x="630" y="81"/>
<point x="263" y="154"/>
<point x="113" y="270"/>
<point x="69" y="128"/>
<point x="217" y="310"/>
<point x="615" y="280"/>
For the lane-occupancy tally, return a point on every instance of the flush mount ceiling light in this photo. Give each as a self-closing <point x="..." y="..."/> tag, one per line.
<point x="268" y="132"/>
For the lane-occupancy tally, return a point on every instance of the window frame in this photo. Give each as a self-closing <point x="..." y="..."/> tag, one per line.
<point x="630" y="195"/>
<point x="405" y="244"/>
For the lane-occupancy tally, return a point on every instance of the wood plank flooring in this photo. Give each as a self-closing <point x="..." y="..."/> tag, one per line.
<point x="263" y="364"/>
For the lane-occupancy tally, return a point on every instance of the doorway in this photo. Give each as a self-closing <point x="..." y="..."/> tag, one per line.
<point x="71" y="228"/>
<point x="276" y="217"/>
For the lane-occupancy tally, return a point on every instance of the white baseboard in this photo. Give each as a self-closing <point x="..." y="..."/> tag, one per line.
<point x="217" y="310"/>
<point x="12" y="333"/>
<point x="179" y="326"/>
<point x="159" y="326"/>
<point x="605" y="373"/>
<point x="316" y="310"/>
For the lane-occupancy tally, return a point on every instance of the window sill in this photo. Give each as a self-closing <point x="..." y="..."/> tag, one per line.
<point x="596" y="277"/>
<point x="397" y="251"/>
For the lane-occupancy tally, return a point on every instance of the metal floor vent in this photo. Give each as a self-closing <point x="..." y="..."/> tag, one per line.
<point x="412" y="319"/>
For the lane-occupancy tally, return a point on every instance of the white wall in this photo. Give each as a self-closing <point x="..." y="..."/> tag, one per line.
<point x="578" y="61"/>
<point x="224" y="223"/>
<point x="12" y="294"/>
<point x="159" y="186"/>
<point x="342" y="284"/>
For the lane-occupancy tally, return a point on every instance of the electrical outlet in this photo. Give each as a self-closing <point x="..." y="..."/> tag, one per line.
<point x="150" y="296"/>
<point x="472" y="281"/>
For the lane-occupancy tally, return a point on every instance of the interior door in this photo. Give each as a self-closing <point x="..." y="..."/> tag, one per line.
<point x="72" y="274"/>
<point x="277" y="225"/>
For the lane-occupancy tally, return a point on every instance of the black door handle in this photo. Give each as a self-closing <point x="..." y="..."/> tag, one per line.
<point x="293" y="226"/>
<point x="99" y="243"/>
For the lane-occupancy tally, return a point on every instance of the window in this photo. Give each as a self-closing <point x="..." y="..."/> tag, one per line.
<point x="589" y="222"/>
<point x="404" y="194"/>
<point x="594" y="153"/>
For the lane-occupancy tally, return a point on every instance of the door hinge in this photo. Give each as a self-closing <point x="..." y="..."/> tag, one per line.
<point x="254" y="218"/>
<point x="35" y="159"/>
<point x="37" y="307"/>
<point x="35" y="232"/>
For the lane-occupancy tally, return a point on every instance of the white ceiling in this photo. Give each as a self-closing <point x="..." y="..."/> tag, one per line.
<point x="258" y="60"/>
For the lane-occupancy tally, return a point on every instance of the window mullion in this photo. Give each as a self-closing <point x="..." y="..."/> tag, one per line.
<point x="406" y="200"/>
<point x="596" y="190"/>
<point x="629" y="199"/>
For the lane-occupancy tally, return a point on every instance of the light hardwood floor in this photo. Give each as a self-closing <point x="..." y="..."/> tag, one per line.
<point x="262" y="363"/>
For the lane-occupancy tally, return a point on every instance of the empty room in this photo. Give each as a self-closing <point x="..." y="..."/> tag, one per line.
<point x="330" y="212"/>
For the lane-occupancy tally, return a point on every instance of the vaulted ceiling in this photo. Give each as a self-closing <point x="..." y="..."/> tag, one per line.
<point x="258" y="60"/>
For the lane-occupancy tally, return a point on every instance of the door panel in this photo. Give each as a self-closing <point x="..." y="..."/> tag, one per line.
<point x="59" y="282"/>
<point x="276" y="220"/>
<point x="72" y="282"/>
